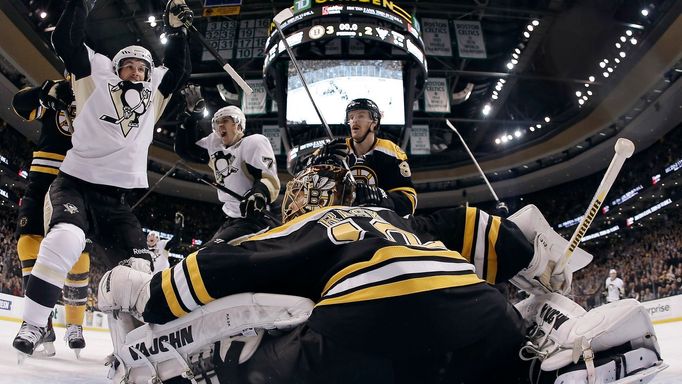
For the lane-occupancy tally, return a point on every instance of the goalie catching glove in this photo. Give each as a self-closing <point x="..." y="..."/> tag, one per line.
<point x="177" y="14"/>
<point x="541" y="275"/>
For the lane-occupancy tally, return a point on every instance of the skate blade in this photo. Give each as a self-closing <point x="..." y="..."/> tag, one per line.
<point x="77" y="351"/>
<point x="21" y="357"/>
<point x="47" y="350"/>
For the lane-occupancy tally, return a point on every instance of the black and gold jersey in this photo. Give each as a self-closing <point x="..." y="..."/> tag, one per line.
<point x="386" y="167"/>
<point x="339" y="256"/>
<point x="53" y="143"/>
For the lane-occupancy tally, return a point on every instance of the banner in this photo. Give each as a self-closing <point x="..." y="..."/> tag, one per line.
<point x="436" y="35"/>
<point x="273" y="134"/>
<point x="254" y="104"/>
<point x="436" y="96"/>
<point x="420" y="144"/>
<point x="470" y="39"/>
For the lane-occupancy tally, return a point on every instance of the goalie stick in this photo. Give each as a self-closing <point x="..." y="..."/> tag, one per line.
<point x="624" y="148"/>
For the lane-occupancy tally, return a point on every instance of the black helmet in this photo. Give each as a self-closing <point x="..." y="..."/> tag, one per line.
<point x="364" y="104"/>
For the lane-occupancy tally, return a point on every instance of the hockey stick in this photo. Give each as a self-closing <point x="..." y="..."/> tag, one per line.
<point x="226" y="66"/>
<point x="285" y="14"/>
<point x="154" y="186"/>
<point x="278" y="19"/>
<point x="624" y="148"/>
<point x="222" y="188"/>
<point x="500" y="207"/>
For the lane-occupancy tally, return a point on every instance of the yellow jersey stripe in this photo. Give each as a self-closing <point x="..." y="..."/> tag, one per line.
<point x="37" y="168"/>
<point x="169" y="294"/>
<point x="77" y="283"/>
<point x="284" y="228"/>
<point x="49" y="155"/>
<point x="404" y="287"/>
<point x="196" y="281"/>
<point x="492" y="254"/>
<point x="469" y="228"/>
<point x="390" y="148"/>
<point x="383" y="254"/>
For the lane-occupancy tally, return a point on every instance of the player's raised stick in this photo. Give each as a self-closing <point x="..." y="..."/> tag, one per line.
<point x="285" y="14"/>
<point x="500" y="207"/>
<point x="226" y="66"/>
<point x="278" y="19"/>
<point x="624" y="149"/>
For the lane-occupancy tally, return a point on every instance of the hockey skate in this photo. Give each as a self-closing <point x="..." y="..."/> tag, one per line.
<point x="28" y="338"/>
<point x="74" y="338"/>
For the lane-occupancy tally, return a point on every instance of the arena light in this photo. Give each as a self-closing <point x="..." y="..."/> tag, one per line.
<point x="510" y="66"/>
<point x="526" y="35"/>
<point x="514" y="61"/>
<point x="503" y="81"/>
<point x="578" y="93"/>
<point x="43" y="14"/>
<point x="623" y="39"/>
<point x="535" y="22"/>
<point x="152" y="21"/>
<point x="644" y="12"/>
<point x="518" y="51"/>
<point x="206" y="112"/>
<point x="589" y="93"/>
<point x="591" y="78"/>
<point x="532" y="129"/>
<point x="581" y="101"/>
<point x="529" y="27"/>
<point x="504" y="139"/>
<point x="538" y="126"/>
<point x="510" y="137"/>
<point x="498" y="141"/>
<point x="633" y="41"/>
<point x="494" y="97"/>
<point x="621" y="54"/>
<point x="617" y="60"/>
<point x="163" y="38"/>
<point x="609" y="69"/>
<point x="602" y="64"/>
<point x="618" y="45"/>
<point x="605" y="74"/>
<point x="547" y="119"/>
<point x="486" y="109"/>
<point x="517" y="133"/>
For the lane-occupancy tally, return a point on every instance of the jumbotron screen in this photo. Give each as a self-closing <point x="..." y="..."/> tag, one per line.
<point x="334" y="83"/>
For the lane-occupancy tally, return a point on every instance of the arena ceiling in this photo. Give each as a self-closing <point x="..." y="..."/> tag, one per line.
<point x="560" y="82"/>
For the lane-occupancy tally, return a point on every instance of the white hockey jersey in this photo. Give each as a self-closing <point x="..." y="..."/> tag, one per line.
<point x="234" y="166"/>
<point x="160" y="255"/>
<point x="114" y="126"/>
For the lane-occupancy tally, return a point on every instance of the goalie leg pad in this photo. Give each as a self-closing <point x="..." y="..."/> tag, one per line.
<point x="243" y="318"/>
<point x="566" y="340"/>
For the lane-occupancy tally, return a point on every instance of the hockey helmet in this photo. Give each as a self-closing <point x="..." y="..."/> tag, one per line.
<point x="366" y="105"/>
<point x="134" y="52"/>
<point x="230" y="111"/>
<point x="317" y="187"/>
<point x="152" y="238"/>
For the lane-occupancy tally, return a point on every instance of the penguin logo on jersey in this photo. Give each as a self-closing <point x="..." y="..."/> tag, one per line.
<point x="64" y="125"/>
<point x="131" y="101"/>
<point x="222" y="166"/>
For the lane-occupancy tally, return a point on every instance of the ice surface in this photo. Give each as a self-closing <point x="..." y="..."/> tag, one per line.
<point x="64" y="368"/>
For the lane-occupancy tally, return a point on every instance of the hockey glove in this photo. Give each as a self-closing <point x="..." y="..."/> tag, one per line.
<point x="371" y="196"/>
<point x="177" y="14"/>
<point x="195" y="103"/>
<point x="180" y="219"/>
<point x="334" y="153"/>
<point x="56" y="95"/>
<point x="255" y="200"/>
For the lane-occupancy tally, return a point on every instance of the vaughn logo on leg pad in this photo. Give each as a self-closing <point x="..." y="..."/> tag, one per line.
<point x="177" y="339"/>
<point x="548" y="314"/>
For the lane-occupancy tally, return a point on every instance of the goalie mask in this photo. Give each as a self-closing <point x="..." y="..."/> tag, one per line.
<point x="317" y="187"/>
<point x="134" y="52"/>
<point x="152" y="239"/>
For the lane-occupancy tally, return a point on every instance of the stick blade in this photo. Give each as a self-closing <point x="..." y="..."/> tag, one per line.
<point x="285" y="14"/>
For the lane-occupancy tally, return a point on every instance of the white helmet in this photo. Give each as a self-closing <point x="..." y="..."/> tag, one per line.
<point x="152" y="238"/>
<point x="230" y="111"/>
<point x="134" y="52"/>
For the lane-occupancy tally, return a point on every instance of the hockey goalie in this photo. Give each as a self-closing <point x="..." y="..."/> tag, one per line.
<point x="347" y="294"/>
